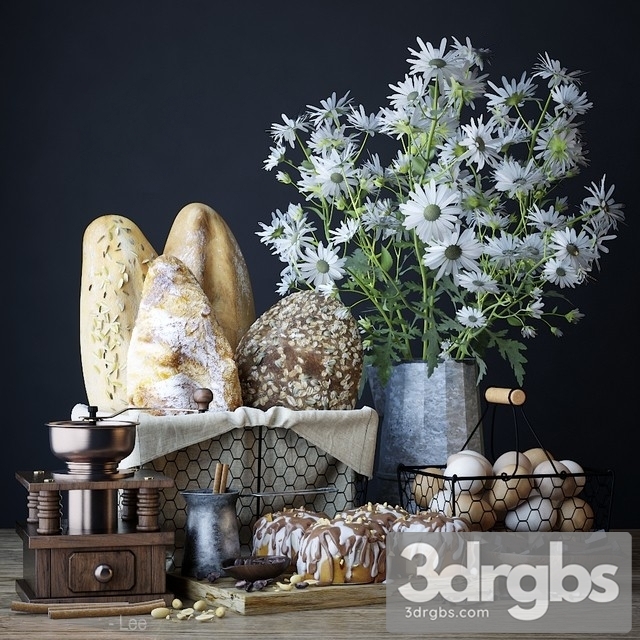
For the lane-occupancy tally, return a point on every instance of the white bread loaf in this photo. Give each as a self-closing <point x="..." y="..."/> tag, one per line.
<point x="203" y="241"/>
<point x="115" y="256"/>
<point x="177" y="346"/>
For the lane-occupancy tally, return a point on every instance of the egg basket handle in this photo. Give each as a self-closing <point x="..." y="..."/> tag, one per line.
<point x="505" y="396"/>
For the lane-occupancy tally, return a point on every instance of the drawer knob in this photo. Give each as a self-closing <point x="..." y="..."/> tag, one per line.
<point x="103" y="573"/>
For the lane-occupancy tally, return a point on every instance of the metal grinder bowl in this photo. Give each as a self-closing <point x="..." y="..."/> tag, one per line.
<point x="92" y="449"/>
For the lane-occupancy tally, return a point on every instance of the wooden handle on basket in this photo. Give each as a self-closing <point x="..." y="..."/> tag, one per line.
<point x="501" y="395"/>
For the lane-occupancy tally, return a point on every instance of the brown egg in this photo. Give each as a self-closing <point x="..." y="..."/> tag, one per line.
<point x="575" y="514"/>
<point x="426" y="485"/>
<point x="509" y="489"/>
<point x="537" y="455"/>
<point x="512" y="458"/>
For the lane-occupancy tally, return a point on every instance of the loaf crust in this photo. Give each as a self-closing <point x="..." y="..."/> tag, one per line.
<point x="177" y="345"/>
<point x="203" y="241"/>
<point x="115" y="258"/>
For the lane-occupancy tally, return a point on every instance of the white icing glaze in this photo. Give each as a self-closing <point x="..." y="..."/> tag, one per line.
<point x="353" y="544"/>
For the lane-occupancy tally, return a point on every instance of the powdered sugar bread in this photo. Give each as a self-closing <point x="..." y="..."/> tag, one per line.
<point x="177" y="345"/>
<point x="115" y="258"/>
<point x="204" y="242"/>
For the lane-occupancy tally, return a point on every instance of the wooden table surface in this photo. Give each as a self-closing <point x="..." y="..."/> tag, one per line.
<point x="350" y="623"/>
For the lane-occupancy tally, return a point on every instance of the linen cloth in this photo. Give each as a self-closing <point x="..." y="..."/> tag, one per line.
<point x="348" y="436"/>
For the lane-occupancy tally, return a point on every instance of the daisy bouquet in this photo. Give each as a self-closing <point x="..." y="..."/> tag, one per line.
<point x="440" y="218"/>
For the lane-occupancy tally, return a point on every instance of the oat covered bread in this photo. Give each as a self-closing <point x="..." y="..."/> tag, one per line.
<point x="204" y="242"/>
<point x="303" y="353"/>
<point x="115" y="258"/>
<point x="177" y="345"/>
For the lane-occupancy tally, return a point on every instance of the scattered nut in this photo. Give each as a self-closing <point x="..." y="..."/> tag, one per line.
<point x="295" y="578"/>
<point x="284" y="586"/>
<point x="220" y="612"/>
<point x="200" y="605"/>
<point x="160" y="612"/>
<point x="176" y="603"/>
<point x="205" y="617"/>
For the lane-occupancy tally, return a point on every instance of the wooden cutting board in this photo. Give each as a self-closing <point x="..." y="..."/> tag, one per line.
<point x="271" y="599"/>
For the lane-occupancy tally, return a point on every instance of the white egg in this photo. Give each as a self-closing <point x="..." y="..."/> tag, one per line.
<point x="471" y="469"/>
<point x="473" y="508"/>
<point x="574" y="467"/>
<point x="442" y="502"/>
<point x="550" y="483"/>
<point x="509" y="458"/>
<point x="536" y="513"/>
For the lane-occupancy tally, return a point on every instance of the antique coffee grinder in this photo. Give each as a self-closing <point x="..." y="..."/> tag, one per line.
<point x="107" y="545"/>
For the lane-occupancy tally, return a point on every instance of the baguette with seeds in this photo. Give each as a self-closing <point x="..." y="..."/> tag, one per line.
<point x="115" y="257"/>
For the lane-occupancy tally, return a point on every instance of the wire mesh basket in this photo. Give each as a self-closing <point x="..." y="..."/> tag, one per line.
<point x="551" y="497"/>
<point x="512" y="501"/>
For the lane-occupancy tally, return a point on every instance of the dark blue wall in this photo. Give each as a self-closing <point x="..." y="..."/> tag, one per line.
<point x="140" y="107"/>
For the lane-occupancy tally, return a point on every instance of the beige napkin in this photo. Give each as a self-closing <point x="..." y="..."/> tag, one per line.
<point x="349" y="436"/>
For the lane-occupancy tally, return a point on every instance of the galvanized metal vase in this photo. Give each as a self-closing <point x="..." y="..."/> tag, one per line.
<point x="423" y="419"/>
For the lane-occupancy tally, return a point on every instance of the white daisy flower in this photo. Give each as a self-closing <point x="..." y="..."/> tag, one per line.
<point x="330" y="178"/>
<point x="534" y="308"/>
<point x="477" y="281"/>
<point x="602" y="202"/>
<point x="345" y="231"/>
<point x="454" y="252"/>
<point x="560" y="148"/>
<point x="436" y="62"/>
<point x="276" y="156"/>
<point x="321" y="265"/>
<point x="481" y="146"/>
<point x="516" y="179"/>
<point x="569" y="101"/>
<point x="286" y="132"/>
<point x="543" y="219"/>
<point x="576" y="248"/>
<point x="359" y="119"/>
<point x="408" y="92"/>
<point x="504" y="250"/>
<point x="287" y="281"/>
<point x="553" y="71"/>
<point x="432" y="210"/>
<point x="512" y="93"/>
<point x="327" y="137"/>
<point x="330" y="109"/>
<point x="471" y="317"/>
<point x="532" y="247"/>
<point x="561" y="272"/>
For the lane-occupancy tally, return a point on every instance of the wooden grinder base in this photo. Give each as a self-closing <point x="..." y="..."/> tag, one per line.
<point x="128" y="564"/>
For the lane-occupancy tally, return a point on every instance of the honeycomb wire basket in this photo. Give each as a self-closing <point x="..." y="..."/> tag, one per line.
<point x="553" y="501"/>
